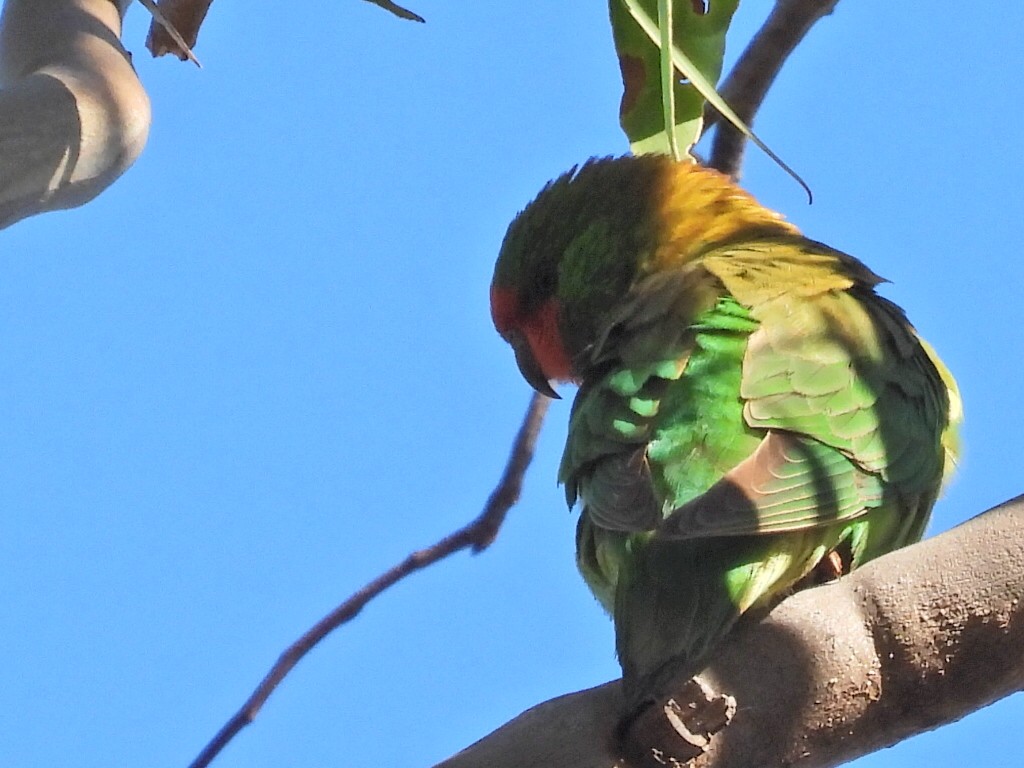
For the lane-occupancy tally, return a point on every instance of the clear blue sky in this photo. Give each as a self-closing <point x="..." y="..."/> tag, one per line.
<point x="260" y="368"/>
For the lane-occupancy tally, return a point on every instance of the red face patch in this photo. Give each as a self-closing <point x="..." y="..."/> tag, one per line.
<point x="504" y="309"/>
<point x="540" y="329"/>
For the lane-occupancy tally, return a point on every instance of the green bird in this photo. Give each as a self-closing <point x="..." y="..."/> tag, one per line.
<point x="752" y="418"/>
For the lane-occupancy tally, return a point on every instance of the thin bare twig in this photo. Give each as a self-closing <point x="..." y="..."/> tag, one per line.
<point x="748" y="83"/>
<point x="476" y="536"/>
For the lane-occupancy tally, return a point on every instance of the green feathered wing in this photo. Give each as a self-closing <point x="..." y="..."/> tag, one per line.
<point x="749" y="415"/>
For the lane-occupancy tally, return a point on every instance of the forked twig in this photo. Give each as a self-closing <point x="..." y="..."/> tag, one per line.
<point x="476" y="536"/>
<point x="747" y="84"/>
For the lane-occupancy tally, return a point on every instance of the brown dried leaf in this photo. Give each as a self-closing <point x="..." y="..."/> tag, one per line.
<point x="186" y="16"/>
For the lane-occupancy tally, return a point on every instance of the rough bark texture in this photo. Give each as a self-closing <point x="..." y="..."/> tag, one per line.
<point x="915" y="640"/>
<point x="73" y="115"/>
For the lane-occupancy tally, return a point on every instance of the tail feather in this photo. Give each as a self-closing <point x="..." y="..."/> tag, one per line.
<point x="677" y="600"/>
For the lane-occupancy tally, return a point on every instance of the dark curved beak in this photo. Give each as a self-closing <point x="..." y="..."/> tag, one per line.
<point x="529" y="367"/>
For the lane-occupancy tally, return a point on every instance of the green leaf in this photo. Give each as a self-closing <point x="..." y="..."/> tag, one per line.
<point x="656" y="116"/>
<point x="649" y="106"/>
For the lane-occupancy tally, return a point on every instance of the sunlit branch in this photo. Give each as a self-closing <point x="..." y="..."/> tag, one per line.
<point x="73" y="114"/>
<point x="914" y="640"/>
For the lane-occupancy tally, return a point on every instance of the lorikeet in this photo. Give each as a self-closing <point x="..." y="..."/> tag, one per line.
<point x="751" y="414"/>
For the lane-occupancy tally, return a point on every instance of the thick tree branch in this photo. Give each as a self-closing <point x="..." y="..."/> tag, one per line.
<point x="476" y="536"/>
<point x="747" y="85"/>
<point x="912" y="641"/>
<point x="73" y="114"/>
